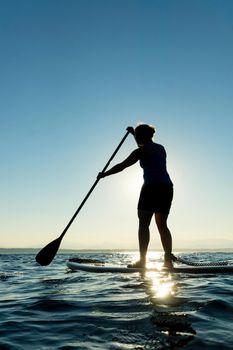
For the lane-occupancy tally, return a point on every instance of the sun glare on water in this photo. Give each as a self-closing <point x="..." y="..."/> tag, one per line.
<point x="159" y="286"/>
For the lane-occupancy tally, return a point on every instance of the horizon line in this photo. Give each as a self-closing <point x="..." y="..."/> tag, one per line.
<point x="119" y="249"/>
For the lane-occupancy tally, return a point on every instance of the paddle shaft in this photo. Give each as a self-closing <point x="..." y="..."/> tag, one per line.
<point x="94" y="185"/>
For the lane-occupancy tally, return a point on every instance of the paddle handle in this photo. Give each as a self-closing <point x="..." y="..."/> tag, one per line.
<point x="129" y="130"/>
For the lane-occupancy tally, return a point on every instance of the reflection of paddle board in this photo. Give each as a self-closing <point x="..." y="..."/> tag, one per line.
<point x="98" y="267"/>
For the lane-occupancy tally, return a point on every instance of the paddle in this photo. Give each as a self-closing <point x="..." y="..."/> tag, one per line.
<point x="46" y="254"/>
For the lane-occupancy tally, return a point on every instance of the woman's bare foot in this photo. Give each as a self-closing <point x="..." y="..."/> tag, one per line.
<point x="168" y="264"/>
<point x="137" y="264"/>
<point x="168" y="258"/>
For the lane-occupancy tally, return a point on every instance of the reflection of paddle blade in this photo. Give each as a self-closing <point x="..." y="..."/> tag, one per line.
<point x="46" y="255"/>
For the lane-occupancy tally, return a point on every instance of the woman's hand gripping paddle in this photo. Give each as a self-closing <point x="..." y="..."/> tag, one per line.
<point x="47" y="254"/>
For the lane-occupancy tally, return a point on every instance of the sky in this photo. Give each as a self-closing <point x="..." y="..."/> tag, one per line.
<point x="74" y="75"/>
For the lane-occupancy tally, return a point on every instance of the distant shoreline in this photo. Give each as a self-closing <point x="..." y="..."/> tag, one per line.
<point x="69" y="251"/>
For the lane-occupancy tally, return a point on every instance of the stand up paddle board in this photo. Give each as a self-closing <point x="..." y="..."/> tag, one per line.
<point x="103" y="268"/>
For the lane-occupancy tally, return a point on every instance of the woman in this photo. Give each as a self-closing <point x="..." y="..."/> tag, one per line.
<point x="156" y="193"/>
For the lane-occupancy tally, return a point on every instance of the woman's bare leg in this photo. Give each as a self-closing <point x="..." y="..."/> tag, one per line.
<point x="165" y="235"/>
<point x="144" y="233"/>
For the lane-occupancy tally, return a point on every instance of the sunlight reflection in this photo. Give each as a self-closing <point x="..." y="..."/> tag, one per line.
<point x="161" y="287"/>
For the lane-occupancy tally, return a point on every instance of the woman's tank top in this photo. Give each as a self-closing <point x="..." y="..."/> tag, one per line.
<point x="153" y="162"/>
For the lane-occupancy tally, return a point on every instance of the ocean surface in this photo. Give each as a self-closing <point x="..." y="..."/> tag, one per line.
<point x="54" y="308"/>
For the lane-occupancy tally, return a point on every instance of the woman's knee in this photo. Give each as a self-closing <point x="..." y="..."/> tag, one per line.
<point x="161" y="221"/>
<point x="144" y="218"/>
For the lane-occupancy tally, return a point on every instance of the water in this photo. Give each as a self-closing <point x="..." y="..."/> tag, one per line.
<point x="53" y="308"/>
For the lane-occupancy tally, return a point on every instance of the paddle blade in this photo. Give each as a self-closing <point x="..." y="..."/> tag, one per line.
<point x="47" y="254"/>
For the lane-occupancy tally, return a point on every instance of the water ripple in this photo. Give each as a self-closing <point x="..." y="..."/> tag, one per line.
<point x="51" y="308"/>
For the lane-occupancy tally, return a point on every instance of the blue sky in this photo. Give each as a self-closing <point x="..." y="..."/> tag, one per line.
<point x="74" y="75"/>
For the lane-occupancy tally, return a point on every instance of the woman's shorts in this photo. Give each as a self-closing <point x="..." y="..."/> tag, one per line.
<point x="156" y="198"/>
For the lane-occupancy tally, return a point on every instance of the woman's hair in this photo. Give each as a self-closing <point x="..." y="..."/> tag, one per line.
<point x="144" y="133"/>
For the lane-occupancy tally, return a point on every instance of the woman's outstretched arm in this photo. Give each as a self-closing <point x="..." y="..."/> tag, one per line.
<point x="130" y="160"/>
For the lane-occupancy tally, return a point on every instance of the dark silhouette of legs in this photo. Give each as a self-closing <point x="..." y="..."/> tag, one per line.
<point x="144" y="233"/>
<point x="166" y="238"/>
<point x="144" y="237"/>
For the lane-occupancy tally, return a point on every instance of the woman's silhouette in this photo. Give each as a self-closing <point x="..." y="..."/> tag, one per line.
<point x="156" y="193"/>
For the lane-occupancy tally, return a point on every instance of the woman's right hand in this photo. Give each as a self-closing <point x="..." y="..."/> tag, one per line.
<point x="101" y="175"/>
<point x="130" y="129"/>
